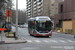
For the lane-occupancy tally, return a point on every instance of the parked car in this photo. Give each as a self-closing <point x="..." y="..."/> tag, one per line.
<point x="25" y="25"/>
<point x="21" y="26"/>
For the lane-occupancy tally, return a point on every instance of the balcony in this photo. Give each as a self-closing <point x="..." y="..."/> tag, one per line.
<point x="39" y="10"/>
<point x="34" y="9"/>
<point x="34" y="2"/>
<point x="38" y="0"/>
<point x="29" y="2"/>
<point x="34" y="12"/>
<point x="34" y="5"/>
<point x="38" y="6"/>
<point x="29" y="5"/>
<point x="38" y="3"/>
<point x="39" y="13"/>
<point x="29" y="11"/>
<point x="29" y="8"/>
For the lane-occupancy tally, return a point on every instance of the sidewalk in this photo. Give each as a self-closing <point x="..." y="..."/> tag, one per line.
<point x="3" y="48"/>
<point x="11" y="40"/>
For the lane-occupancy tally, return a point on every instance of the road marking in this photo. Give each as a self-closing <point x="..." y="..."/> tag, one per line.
<point x="45" y="41"/>
<point x="70" y="41"/>
<point x="37" y="41"/>
<point x="29" y="41"/>
<point x="53" y="41"/>
<point x="62" y="41"/>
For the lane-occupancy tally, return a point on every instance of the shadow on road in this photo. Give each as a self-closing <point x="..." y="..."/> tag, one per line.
<point x="40" y="36"/>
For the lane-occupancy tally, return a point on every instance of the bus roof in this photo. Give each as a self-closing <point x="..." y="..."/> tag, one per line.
<point x="40" y="18"/>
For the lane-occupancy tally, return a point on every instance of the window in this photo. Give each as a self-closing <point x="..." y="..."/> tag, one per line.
<point x="53" y="0"/>
<point x="40" y="0"/>
<point x="61" y="8"/>
<point x="34" y="0"/>
<point x="52" y="12"/>
<point x="52" y="4"/>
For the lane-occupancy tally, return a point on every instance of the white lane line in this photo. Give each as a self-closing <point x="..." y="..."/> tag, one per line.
<point x="54" y="41"/>
<point x="45" y="41"/>
<point x="62" y="41"/>
<point x="29" y="41"/>
<point x="37" y="41"/>
<point x="70" y="41"/>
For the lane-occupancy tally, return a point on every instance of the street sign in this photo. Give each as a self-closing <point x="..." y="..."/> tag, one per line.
<point x="2" y="29"/>
<point x="8" y="13"/>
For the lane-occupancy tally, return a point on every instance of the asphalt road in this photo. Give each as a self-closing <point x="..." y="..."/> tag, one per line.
<point x="56" y="42"/>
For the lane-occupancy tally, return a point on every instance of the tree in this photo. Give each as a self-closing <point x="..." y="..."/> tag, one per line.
<point x="21" y="16"/>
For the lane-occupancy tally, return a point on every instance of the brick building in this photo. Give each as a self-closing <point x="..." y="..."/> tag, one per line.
<point x="66" y="12"/>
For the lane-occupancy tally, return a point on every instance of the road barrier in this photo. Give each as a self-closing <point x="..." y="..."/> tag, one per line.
<point x="70" y="31"/>
<point x="73" y="32"/>
<point x="66" y="31"/>
<point x="57" y="28"/>
<point x="61" y="29"/>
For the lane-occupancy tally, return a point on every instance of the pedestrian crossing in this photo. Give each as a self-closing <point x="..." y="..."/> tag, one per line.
<point x="50" y="41"/>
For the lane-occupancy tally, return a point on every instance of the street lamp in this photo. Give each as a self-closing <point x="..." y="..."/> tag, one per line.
<point x="16" y="19"/>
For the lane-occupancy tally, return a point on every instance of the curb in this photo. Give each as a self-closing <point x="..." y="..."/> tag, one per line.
<point x="22" y="39"/>
<point x="14" y="42"/>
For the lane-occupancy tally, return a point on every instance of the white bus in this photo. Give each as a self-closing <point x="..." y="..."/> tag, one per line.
<point x="40" y="26"/>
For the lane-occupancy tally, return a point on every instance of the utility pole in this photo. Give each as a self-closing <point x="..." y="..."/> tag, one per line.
<point x="16" y="19"/>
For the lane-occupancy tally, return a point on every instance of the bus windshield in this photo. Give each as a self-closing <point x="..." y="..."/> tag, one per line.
<point x="44" y="26"/>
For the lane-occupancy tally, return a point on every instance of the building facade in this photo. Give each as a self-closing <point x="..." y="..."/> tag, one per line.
<point x="42" y="8"/>
<point x="66" y="12"/>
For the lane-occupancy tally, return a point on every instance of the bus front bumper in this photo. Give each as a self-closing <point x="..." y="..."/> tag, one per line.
<point x="44" y="34"/>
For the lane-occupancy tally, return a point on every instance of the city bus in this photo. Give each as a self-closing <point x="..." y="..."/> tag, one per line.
<point x="40" y="26"/>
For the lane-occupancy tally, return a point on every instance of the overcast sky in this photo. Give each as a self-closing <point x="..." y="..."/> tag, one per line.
<point x="21" y="4"/>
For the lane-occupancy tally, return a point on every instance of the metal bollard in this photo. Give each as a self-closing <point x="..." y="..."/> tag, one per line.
<point x="14" y="35"/>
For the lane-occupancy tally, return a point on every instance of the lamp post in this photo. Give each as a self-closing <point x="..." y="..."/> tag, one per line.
<point x="16" y="19"/>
